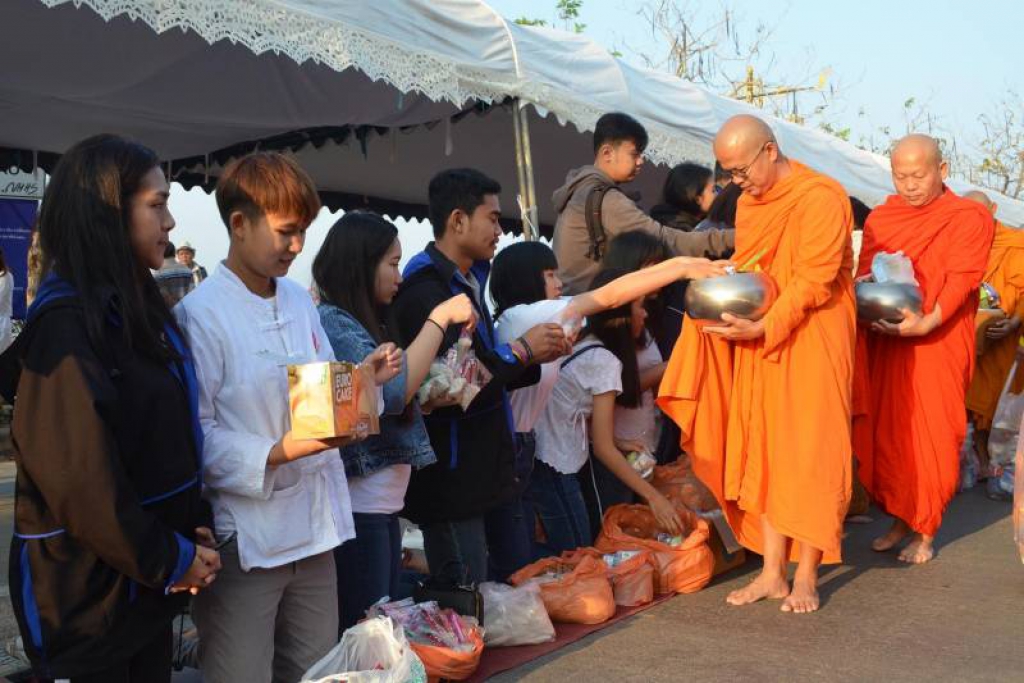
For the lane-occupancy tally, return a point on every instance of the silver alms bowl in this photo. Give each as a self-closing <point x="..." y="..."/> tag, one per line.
<point x="885" y="301"/>
<point x="745" y="295"/>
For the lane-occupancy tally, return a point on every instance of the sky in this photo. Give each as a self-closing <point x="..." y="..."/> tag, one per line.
<point x="957" y="59"/>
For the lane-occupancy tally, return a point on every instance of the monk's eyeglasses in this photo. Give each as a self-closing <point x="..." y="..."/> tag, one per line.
<point x="742" y="173"/>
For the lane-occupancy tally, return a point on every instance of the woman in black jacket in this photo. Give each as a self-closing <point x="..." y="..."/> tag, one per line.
<point x="106" y="431"/>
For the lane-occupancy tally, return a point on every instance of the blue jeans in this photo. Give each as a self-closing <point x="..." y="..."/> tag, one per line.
<point x="559" y="504"/>
<point x="509" y="527"/>
<point x="456" y="551"/>
<point x="369" y="566"/>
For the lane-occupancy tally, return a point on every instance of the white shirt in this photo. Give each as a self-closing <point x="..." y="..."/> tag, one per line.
<point x="562" y="440"/>
<point x="528" y="402"/>
<point x="641" y="423"/>
<point x="6" y="308"/>
<point x="382" y="492"/>
<point x="242" y="345"/>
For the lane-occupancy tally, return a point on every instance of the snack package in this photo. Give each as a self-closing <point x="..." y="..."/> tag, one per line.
<point x="458" y="375"/>
<point x="332" y="399"/>
<point x="642" y="462"/>
<point x="895" y="268"/>
<point x="515" y="616"/>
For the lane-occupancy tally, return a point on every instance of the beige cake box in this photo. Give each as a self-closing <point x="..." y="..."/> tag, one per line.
<point x="332" y="399"/>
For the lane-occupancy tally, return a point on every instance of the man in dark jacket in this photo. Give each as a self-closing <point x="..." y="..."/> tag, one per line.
<point x="475" y="449"/>
<point x="619" y="143"/>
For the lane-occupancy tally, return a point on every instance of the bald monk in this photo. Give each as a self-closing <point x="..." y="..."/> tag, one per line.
<point x="764" y="407"/>
<point x="1005" y="272"/>
<point x="912" y="376"/>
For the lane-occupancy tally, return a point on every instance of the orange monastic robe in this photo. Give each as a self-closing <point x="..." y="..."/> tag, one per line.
<point x="910" y="416"/>
<point x="1006" y="273"/>
<point x="767" y="422"/>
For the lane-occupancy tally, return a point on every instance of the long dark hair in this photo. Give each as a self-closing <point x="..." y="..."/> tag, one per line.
<point x="517" y="276"/>
<point x="84" y="234"/>
<point x="723" y="209"/>
<point x="684" y="185"/>
<point x="614" y="329"/>
<point x="345" y="268"/>
<point x="630" y="252"/>
<point x="3" y="262"/>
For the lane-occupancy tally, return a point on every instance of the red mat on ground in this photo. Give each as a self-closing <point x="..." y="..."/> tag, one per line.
<point x="496" y="660"/>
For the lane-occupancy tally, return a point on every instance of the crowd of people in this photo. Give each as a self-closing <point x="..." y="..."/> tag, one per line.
<point x="156" y="459"/>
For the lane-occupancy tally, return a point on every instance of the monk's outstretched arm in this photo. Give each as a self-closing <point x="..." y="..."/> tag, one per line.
<point x="967" y="250"/>
<point x="825" y="223"/>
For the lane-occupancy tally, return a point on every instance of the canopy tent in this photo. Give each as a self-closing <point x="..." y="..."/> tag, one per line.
<point x="373" y="97"/>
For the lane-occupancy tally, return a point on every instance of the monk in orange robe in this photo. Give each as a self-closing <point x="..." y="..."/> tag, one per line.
<point x="764" y="406"/>
<point x="1005" y="273"/>
<point x="910" y="416"/>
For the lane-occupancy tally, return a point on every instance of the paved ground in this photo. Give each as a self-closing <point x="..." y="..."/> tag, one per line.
<point x="960" y="618"/>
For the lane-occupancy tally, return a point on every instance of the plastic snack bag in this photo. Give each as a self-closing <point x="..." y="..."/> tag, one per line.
<point x="374" y="651"/>
<point x="685" y="567"/>
<point x="515" y="616"/>
<point x="895" y="268"/>
<point x="579" y="592"/>
<point x="458" y="375"/>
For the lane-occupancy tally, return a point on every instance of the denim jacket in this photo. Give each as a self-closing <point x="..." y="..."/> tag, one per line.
<point x="402" y="440"/>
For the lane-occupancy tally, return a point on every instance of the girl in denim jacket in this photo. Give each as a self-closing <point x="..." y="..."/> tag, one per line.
<point x="356" y="275"/>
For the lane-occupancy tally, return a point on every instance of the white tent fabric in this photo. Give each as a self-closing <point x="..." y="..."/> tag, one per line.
<point x="190" y="77"/>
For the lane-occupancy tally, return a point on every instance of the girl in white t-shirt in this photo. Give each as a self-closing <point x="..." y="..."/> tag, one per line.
<point x="526" y="290"/>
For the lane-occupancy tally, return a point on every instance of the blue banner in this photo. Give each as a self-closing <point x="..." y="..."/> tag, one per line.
<point x="17" y="216"/>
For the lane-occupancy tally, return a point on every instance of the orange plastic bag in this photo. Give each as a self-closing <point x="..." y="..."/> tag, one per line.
<point x="677" y="482"/>
<point x="582" y="596"/>
<point x="633" y="581"/>
<point x="443" y="663"/>
<point x="685" y="568"/>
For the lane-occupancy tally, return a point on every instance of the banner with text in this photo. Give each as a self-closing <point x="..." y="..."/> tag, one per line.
<point x="17" y="216"/>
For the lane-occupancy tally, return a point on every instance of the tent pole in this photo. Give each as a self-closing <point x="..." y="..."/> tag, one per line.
<point x="521" y="173"/>
<point x="531" y="189"/>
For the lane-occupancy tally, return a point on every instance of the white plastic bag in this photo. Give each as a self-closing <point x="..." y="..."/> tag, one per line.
<point x="515" y="616"/>
<point x="374" y="651"/>
<point x="895" y="268"/>
<point x="1002" y="438"/>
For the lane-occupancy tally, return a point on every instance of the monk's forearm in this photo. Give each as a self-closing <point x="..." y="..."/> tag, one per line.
<point x="956" y="291"/>
<point x="791" y="308"/>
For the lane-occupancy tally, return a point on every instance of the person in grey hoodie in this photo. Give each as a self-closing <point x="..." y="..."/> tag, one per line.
<point x="619" y="143"/>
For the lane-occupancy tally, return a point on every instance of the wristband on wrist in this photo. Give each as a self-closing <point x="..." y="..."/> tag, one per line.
<point x="518" y="352"/>
<point x="437" y="325"/>
<point x="526" y="346"/>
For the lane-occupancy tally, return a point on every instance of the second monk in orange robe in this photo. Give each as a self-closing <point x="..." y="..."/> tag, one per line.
<point x="764" y="407"/>
<point x="1005" y="273"/>
<point x="910" y="417"/>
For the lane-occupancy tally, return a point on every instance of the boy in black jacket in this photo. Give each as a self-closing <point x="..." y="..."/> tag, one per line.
<point x="475" y="449"/>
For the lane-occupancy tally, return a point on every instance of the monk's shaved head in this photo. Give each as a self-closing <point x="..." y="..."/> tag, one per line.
<point x="918" y="146"/>
<point x="747" y="150"/>
<point x="918" y="170"/>
<point x="981" y="198"/>
<point x="743" y="133"/>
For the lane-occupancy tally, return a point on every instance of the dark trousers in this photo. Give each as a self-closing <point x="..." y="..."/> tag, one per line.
<point x="509" y="527"/>
<point x="559" y="504"/>
<point x="456" y="551"/>
<point x="369" y="566"/>
<point x="151" y="664"/>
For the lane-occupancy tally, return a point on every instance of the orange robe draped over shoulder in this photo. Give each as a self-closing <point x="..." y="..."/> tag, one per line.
<point x="767" y="422"/>
<point x="910" y="416"/>
<point x="1005" y="272"/>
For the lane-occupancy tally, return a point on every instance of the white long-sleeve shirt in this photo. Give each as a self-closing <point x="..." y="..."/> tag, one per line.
<point x="6" y="308"/>
<point x="242" y="345"/>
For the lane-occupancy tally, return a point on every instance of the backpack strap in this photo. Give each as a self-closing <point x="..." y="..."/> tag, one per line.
<point x="595" y="225"/>
<point x="580" y="352"/>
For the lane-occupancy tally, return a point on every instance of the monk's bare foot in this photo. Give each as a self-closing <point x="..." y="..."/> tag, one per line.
<point x="803" y="598"/>
<point x="773" y="588"/>
<point x="897" y="533"/>
<point x="918" y="551"/>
